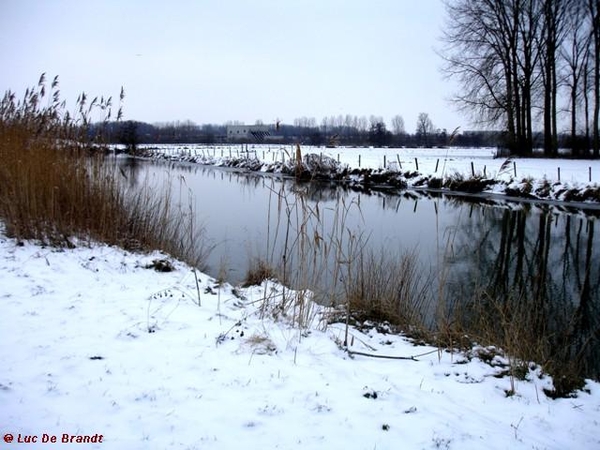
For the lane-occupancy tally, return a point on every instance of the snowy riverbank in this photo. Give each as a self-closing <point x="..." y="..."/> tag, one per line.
<point x="95" y="343"/>
<point x="471" y="170"/>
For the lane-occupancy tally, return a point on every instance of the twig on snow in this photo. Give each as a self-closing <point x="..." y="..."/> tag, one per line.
<point x="372" y="355"/>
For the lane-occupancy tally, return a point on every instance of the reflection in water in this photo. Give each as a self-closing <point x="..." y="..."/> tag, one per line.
<point x="496" y="263"/>
<point x="130" y="169"/>
<point x="533" y="267"/>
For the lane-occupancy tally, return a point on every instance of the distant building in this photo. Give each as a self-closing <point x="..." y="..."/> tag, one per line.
<point x="248" y="133"/>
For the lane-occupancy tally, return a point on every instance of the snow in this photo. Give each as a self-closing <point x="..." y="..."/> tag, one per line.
<point x="94" y="343"/>
<point x="548" y="178"/>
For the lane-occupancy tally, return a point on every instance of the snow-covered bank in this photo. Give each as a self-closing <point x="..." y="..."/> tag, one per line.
<point x="96" y="342"/>
<point x="453" y="169"/>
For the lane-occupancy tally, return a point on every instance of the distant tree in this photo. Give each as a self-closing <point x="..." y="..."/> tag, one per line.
<point x="379" y="136"/>
<point x="208" y="133"/>
<point x="398" y="125"/>
<point x="316" y="138"/>
<point x="128" y="135"/>
<point x="425" y="129"/>
<point x="361" y="124"/>
<point x="374" y="120"/>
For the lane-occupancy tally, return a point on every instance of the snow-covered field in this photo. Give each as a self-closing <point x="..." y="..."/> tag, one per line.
<point x="95" y="345"/>
<point x="554" y="179"/>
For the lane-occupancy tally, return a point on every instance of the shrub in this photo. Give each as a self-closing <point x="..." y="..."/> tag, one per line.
<point x="472" y="185"/>
<point x="258" y="271"/>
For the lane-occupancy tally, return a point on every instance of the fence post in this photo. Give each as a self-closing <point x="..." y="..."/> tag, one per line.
<point x="384" y="162"/>
<point x="590" y="173"/>
<point x="559" y="174"/>
<point x="484" y="173"/>
<point x="515" y="168"/>
<point x="437" y="163"/>
<point x="359" y="160"/>
<point x="417" y="164"/>
<point x="472" y="169"/>
<point x="398" y="158"/>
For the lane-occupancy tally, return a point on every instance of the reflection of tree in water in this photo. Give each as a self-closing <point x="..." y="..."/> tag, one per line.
<point x="585" y="330"/>
<point x="532" y="269"/>
<point x="130" y="169"/>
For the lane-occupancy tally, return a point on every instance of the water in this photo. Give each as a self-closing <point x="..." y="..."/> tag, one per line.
<point x="542" y="261"/>
<point x="239" y="212"/>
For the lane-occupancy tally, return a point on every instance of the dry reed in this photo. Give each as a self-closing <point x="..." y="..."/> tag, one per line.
<point x="57" y="185"/>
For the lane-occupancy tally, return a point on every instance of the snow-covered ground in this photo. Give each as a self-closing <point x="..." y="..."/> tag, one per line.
<point x="555" y="179"/>
<point x="95" y="345"/>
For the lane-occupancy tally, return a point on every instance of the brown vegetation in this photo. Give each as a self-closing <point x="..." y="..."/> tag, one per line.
<point x="57" y="186"/>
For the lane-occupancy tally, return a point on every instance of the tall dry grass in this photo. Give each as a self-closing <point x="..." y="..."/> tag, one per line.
<point x="371" y="287"/>
<point x="391" y="288"/>
<point x="56" y="183"/>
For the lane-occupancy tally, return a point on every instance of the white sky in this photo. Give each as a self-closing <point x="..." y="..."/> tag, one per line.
<point x="216" y="60"/>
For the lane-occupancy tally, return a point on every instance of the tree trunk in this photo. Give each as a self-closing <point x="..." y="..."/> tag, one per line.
<point x="594" y="8"/>
<point x="586" y="107"/>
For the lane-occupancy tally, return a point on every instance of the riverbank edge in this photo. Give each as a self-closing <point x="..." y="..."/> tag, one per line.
<point x="324" y="169"/>
<point x="320" y="318"/>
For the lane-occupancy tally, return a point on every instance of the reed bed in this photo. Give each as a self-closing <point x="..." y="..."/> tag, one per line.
<point x="58" y="186"/>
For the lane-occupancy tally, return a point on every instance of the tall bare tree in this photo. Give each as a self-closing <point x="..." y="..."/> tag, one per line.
<point x="398" y="125"/>
<point x="483" y="52"/>
<point x="424" y="129"/>
<point x="594" y="20"/>
<point x="575" y="54"/>
<point x="554" y="21"/>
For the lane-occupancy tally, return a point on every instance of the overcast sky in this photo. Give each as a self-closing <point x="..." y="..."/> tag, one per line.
<point x="211" y="61"/>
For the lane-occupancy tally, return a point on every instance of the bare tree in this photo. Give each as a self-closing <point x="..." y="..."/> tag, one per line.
<point x="555" y="13"/>
<point x="594" y="19"/>
<point x="507" y="56"/>
<point x="482" y="52"/>
<point x="362" y="124"/>
<point x="374" y="120"/>
<point x="398" y="125"/>
<point x="575" y="53"/>
<point x="424" y="129"/>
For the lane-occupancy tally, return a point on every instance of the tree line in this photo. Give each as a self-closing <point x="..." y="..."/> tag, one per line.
<point x="330" y="131"/>
<point x="306" y="131"/>
<point x="527" y="65"/>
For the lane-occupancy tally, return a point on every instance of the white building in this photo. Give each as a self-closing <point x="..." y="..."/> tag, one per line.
<point x="255" y="133"/>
